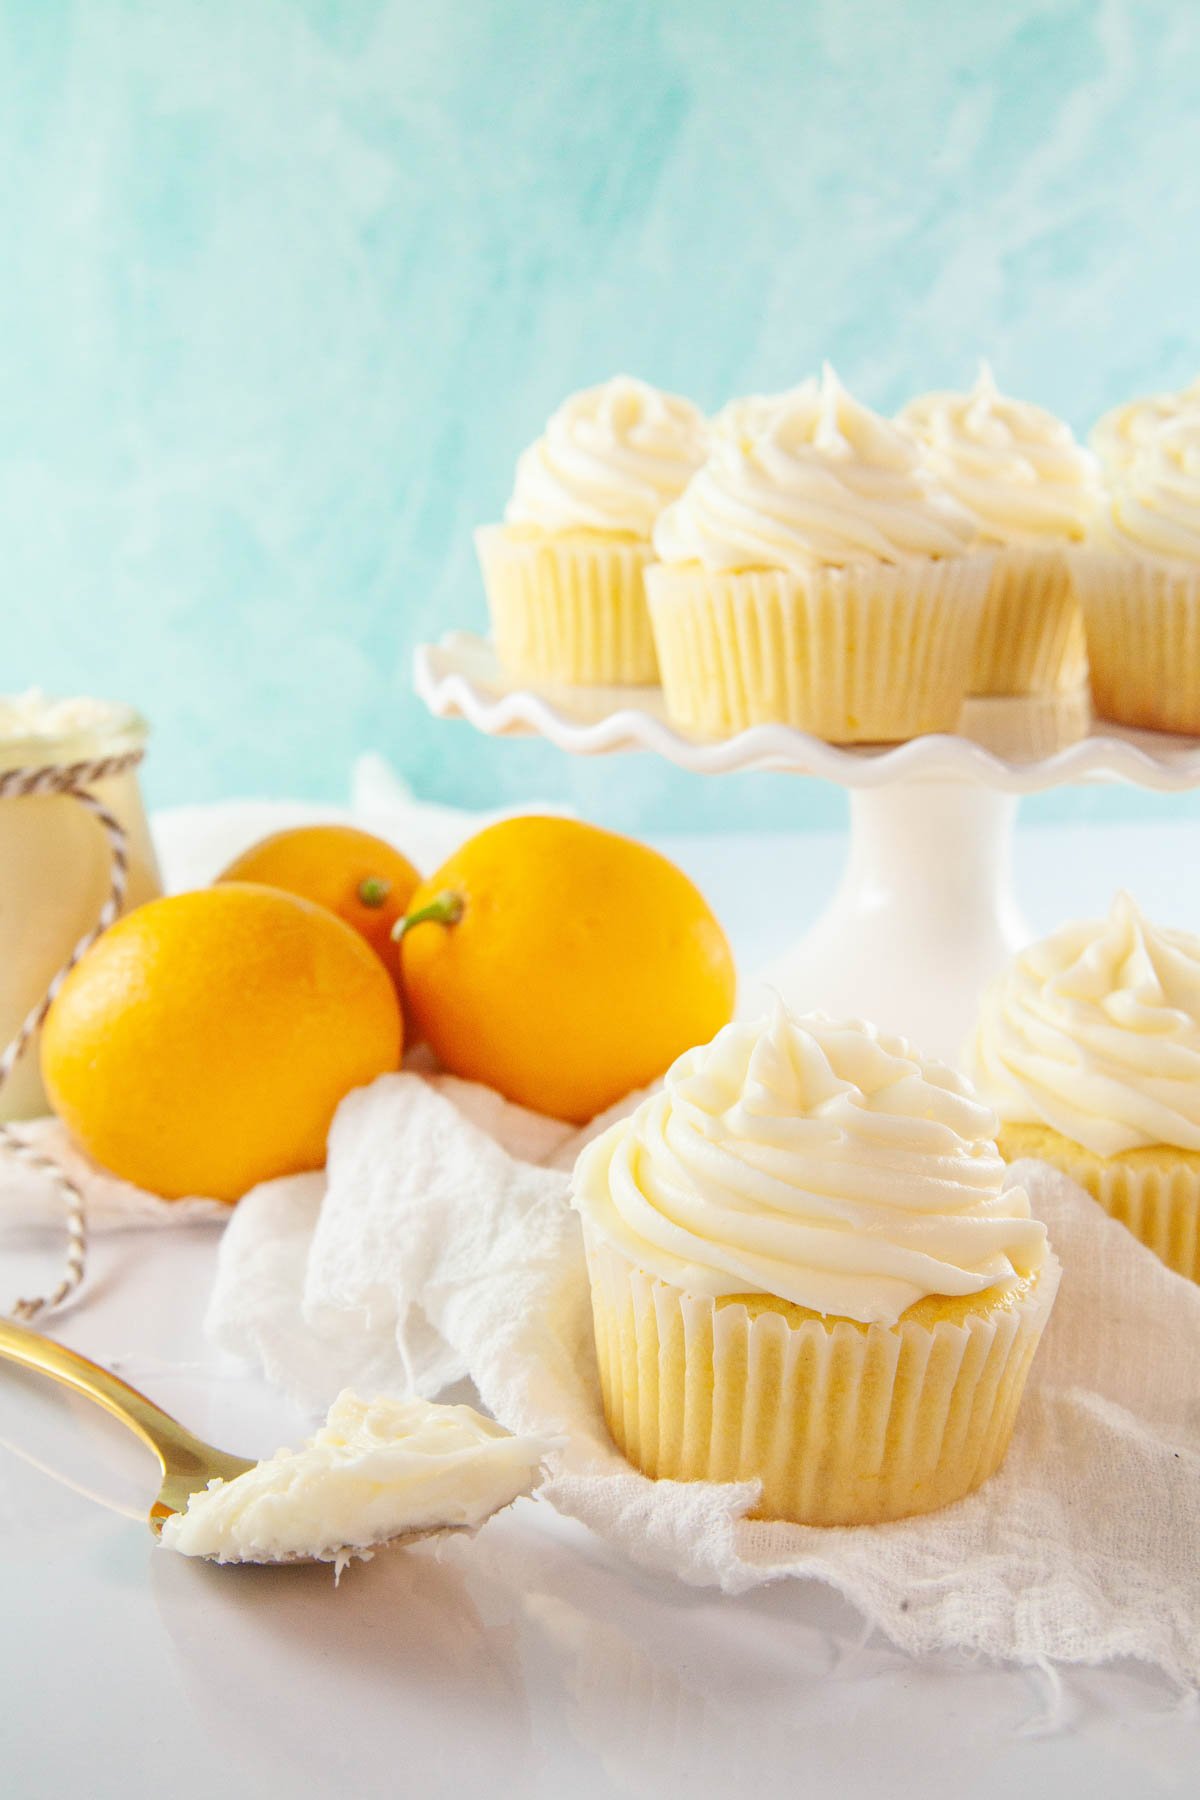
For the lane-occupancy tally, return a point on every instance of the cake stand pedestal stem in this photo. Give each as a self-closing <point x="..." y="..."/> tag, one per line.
<point x="923" y="917"/>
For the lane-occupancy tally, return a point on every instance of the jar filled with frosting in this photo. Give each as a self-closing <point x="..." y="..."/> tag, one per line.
<point x="57" y="853"/>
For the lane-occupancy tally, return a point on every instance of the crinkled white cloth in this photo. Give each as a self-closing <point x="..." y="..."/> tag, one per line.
<point x="443" y="1245"/>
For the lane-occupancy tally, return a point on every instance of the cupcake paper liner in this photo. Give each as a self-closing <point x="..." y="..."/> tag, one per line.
<point x="843" y="1424"/>
<point x="1154" y="1192"/>
<point x="1031" y="638"/>
<point x="1142" y="620"/>
<point x="870" y="653"/>
<point x="568" y="609"/>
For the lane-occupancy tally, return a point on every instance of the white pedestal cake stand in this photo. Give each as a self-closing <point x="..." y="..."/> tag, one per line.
<point x="924" y="913"/>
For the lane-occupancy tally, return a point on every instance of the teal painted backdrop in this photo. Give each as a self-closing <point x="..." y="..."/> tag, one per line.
<point x="287" y="283"/>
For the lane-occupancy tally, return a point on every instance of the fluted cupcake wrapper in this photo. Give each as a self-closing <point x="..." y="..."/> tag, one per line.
<point x="1142" y="620"/>
<point x="568" y="609"/>
<point x="843" y="1424"/>
<point x="870" y="653"/>
<point x="1155" y="1193"/>
<point x="1031" y="638"/>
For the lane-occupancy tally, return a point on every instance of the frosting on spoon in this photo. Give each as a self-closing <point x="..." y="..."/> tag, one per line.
<point x="376" y="1470"/>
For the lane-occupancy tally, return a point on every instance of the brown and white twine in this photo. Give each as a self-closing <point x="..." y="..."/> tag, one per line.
<point x="71" y="780"/>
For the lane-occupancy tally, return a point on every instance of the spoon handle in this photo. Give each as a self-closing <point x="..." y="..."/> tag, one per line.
<point x="156" y="1428"/>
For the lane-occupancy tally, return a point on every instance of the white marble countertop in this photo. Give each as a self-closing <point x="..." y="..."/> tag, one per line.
<point x="530" y="1661"/>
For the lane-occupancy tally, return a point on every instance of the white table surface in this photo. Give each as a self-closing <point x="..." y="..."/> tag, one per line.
<point x="530" y="1661"/>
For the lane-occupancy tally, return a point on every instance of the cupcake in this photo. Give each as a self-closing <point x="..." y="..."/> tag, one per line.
<point x="812" y="573"/>
<point x="1088" y="1047"/>
<point x="1128" y="429"/>
<point x="804" y="1272"/>
<point x="1138" y="582"/>
<point x="564" y="573"/>
<point x="1031" y="489"/>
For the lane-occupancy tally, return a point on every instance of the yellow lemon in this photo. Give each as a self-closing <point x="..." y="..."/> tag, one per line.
<point x="355" y="874"/>
<point x="204" y="1043"/>
<point x="563" y="965"/>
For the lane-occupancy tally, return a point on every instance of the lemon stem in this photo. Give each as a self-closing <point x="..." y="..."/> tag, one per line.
<point x="373" y="890"/>
<point x="446" y="908"/>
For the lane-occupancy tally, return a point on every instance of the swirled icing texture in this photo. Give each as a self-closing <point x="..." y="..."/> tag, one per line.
<point x="822" y="1163"/>
<point x="1096" y="1032"/>
<point x="610" y="459"/>
<point x="1123" y="433"/>
<point x="376" y="1470"/>
<point x="1154" y="503"/>
<point x="34" y="714"/>
<point x="749" y="415"/>
<point x="1014" y="467"/>
<point x="820" y="480"/>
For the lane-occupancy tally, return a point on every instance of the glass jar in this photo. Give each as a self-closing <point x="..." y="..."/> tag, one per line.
<point x="56" y="858"/>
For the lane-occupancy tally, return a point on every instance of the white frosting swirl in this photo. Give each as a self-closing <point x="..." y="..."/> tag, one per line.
<point x="34" y="714"/>
<point x="822" y="1163"/>
<point x="1015" y="467"/>
<point x="1154" y="506"/>
<point x="820" y="479"/>
<point x="1123" y="433"/>
<point x="610" y="459"/>
<point x="1096" y="1032"/>
<point x="749" y="415"/>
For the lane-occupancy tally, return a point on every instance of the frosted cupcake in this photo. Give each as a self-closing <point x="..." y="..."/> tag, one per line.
<point x="1089" y="1049"/>
<point x="1127" y="430"/>
<point x="812" y="573"/>
<point x="1031" y="489"/>
<point x="564" y="573"/>
<point x="1138" y="581"/>
<point x="804" y="1273"/>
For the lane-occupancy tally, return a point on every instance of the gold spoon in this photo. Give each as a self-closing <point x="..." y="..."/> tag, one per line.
<point x="187" y="1463"/>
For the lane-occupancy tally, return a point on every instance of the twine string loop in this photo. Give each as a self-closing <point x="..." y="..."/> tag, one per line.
<point x="73" y="781"/>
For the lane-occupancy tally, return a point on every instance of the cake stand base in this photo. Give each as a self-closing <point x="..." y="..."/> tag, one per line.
<point x="923" y="917"/>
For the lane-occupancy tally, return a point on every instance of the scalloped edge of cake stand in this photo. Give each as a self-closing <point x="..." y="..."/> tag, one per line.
<point x="924" y="914"/>
<point x="1016" y="746"/>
